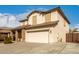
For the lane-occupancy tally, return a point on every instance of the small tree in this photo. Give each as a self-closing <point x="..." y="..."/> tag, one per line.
<point x="70" y="30"/>
<point x="7" y="40"/>
<point x="75" y="30"/>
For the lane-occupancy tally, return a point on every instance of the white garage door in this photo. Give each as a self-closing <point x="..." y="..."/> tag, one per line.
<point x="37" y="37"/>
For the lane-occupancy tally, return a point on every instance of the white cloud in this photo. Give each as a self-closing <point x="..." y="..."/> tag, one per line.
<point x="12" y="22"/>
<point x="21" y="16"/>
<point x="8" y="20"/>
<point x="2" y="20"/>
<point x="77" y="26"/>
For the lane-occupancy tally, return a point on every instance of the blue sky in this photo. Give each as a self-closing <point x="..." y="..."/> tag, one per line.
<point x="19" y="12"/>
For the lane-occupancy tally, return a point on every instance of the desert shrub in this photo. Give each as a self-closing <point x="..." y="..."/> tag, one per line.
<point x="7" y="40"/>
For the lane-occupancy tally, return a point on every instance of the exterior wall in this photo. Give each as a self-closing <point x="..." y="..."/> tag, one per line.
<point x="55" y="34"/>
<point x="23" y="23"/>
<point x="54" y="16"/>
<point x="40" y="18"/>
<point x="23" y="35"/>
<point x="60" y="31"/>
<point x="48" y="17"/>
<point x="26" y="22"/>
<point x="16" y="36"/>
<point x="51" y="36"/>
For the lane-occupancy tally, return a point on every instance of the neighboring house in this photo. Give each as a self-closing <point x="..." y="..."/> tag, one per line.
<point x="44" y="27"/>
<point x="5" y="32"/>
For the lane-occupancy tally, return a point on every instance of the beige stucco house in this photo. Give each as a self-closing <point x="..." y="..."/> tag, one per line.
<point x="44" y="27"/>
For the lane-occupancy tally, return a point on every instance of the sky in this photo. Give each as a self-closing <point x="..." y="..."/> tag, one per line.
<point x="10" y="15"/>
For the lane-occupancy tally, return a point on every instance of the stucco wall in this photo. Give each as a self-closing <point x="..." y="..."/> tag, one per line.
<point x="23" y="23"/>
<point x="59" y="32"/>
<point x="40" y="18"/>
<point x="54" y="16"/>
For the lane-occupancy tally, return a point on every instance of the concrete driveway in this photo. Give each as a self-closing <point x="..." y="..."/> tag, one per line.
<point x="37" y="48"/>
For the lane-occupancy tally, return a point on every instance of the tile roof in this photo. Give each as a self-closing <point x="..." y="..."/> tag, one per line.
<point x="51" y="10"/>
<point x="37" y="25"/>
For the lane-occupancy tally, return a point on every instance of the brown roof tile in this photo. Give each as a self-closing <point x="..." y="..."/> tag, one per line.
<point x="43" y="24"/>
<point x="37" y="25"/>
<point x="23" y="20"/>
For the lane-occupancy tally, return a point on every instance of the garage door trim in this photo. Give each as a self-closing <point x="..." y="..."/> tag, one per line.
<point x="37" y="30"/>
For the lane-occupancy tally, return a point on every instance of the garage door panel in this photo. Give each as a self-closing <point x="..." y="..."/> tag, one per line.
<point x="37" y="37"/>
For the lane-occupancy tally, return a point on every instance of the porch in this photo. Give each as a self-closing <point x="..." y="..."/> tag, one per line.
<point x="19" y="35"/>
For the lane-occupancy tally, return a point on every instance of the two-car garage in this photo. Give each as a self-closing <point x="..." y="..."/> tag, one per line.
<point x="38" y="36"/>
<point x="42" y="33"/>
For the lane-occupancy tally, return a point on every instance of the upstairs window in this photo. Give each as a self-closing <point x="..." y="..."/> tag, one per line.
<point x="48" y="17"/>
<point x="34" y="20"/>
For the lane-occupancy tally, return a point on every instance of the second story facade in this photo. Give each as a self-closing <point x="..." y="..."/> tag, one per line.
<point x="39" y="17"/>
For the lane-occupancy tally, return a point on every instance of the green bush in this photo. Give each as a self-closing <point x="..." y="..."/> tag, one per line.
<point x="7" y="40"/>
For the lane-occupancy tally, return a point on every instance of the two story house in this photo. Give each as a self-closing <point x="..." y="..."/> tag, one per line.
<point x="45" y="26"/>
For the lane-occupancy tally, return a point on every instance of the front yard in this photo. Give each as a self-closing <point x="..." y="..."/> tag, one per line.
<point x="33" y="48"/>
